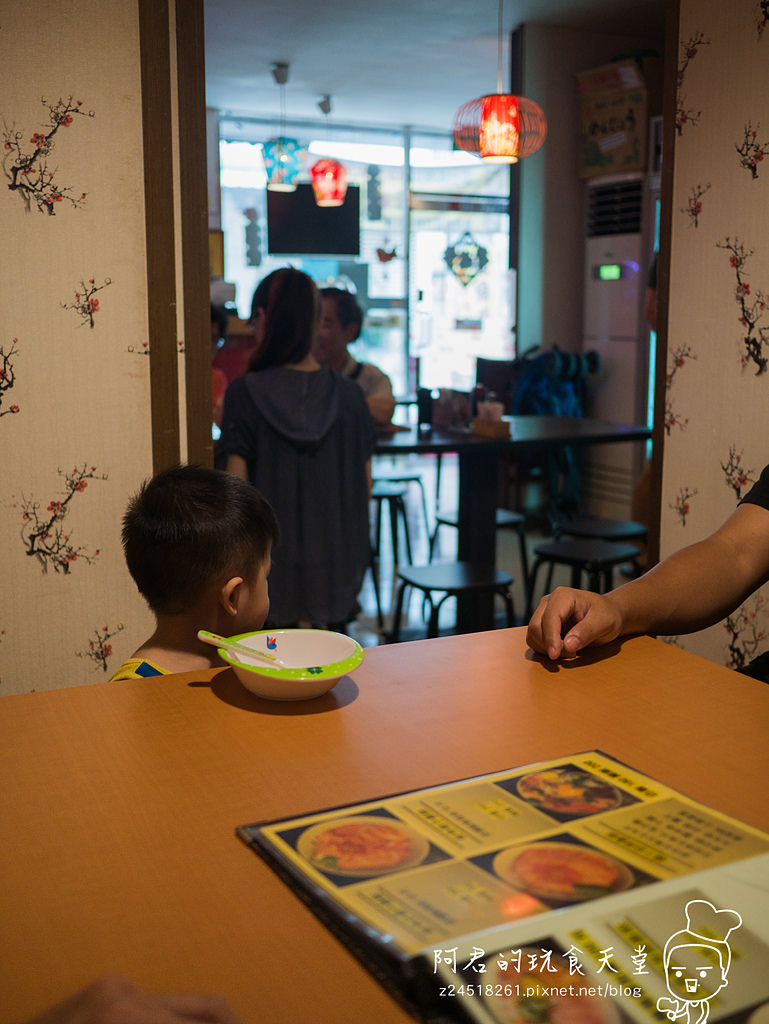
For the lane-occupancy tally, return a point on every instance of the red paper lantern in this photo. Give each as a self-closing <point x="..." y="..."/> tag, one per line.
<point x="500" y="128"/>
<point x="329" y="182"/>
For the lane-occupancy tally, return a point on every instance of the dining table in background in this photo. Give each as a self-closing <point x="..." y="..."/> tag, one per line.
<point x="120" y="801"/>
<point x="479" y="459"/>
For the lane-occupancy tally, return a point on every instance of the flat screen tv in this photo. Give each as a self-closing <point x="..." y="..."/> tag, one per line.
<point x="297" y="226"/>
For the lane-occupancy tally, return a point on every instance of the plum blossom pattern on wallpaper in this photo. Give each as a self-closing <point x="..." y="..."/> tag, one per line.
<point x="681" y="505"/>
<point x="693" y="207"/>
<point x="27" y="169"/>
<point x="737" y="477"/>
<point x="676" y="361"/>
<point x="750" y="150"/>
<point x="85" y="304"/>
<point x="746" y="629"/>
<point x="684" y="115"/>
<point x="8" y="378"/>
<point x="761" y="9"/>
<point x="99" y="649"/>
<point x="752" y="307"/>
<point x="43" y="529"/>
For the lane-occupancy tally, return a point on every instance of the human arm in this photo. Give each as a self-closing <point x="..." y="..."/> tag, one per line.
<point x="236" y="465"/>
<point x="690" y="590"/>
<point x="381" y="408"/>
<point x="116" y="1000"/>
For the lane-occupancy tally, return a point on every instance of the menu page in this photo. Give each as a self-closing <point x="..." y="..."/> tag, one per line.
<point x="695" y="947"/>
<point x="424" y="868"/>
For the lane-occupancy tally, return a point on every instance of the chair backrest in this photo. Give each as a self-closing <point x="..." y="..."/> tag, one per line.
<point x="499" y="376"/>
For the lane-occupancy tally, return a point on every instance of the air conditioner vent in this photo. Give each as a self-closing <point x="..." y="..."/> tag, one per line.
<point x="615" y="209"/>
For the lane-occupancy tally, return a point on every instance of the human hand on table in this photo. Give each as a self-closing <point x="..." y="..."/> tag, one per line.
<point x="568" y="620"/>
<point x="116" y="1000"/>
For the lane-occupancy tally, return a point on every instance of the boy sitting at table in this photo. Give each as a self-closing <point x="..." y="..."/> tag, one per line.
<point x="197" y="543"/>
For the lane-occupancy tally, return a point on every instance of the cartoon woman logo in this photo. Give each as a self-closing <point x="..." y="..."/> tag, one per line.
<point x="697" y="961"/>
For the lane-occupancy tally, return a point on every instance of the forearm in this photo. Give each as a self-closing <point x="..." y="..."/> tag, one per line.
<point x="700" y="584"/>
<point x="381" y="408"/>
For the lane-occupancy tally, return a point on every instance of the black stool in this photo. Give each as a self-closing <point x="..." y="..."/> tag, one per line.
<point x="505" y="520"/>
<point x="603" y="529"/>
<point x="394" y="495"/>
<point x="593" y="556"/>
<point x="405" y="476"/>
<point x="451" y="579"/>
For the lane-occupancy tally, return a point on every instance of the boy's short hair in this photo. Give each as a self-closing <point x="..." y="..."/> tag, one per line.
<point x="189" y="528"/>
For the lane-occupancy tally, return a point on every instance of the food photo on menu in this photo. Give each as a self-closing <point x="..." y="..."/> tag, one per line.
<point x="439" y="891"/>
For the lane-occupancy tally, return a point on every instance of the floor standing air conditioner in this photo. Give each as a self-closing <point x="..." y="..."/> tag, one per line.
<point x="618" y="243"/>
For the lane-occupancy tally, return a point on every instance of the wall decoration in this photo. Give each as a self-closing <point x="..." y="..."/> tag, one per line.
<point x="144" y="350"/>
<point x="751" y="310"/>
<point x="677" y="359"/>
<point x="85" y="305"/>
<point x="253" y="241"/>
<point x="7" y="377"/>
<point x="750" y="150"/>
<point x="27" y="170"/>
<point x="100" y="649"/>
<point x="736" y="476"/>
<point x="689" y="50"/>
<point x="681" y="504"/>
<point x="43" y="530"/>
<point x="762" y="16"/>
<point x="466" y="259"/>
<point x="693" y="208"/>
<point x="746" y="629"/>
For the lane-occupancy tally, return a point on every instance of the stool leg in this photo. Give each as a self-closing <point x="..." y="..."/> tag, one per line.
<point x="524" y="557"/>
<point x="576" y="577"/>
<point x="532" y="588"/>
<point x="424" y="507"/>
<point x="375" y="581"/>
<point x="395" y="630"/>
<point x="393" y="503"/>
<point x="378" y="528"/>
<point x="505" y="592"/>
<point x="401" y="507"/>
<point x="594" y="578"/>
<point x="433" y="539"/>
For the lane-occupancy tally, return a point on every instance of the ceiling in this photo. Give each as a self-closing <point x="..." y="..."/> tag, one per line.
<point x="395" y="62"/>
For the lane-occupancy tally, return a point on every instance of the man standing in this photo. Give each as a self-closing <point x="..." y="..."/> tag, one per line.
<point x="341" y="319"/>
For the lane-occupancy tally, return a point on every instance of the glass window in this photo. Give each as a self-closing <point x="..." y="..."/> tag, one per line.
<point x="446" y="298"/>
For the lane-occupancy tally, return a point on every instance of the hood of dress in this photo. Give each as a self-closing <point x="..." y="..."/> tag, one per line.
<point x="301" y="406"/>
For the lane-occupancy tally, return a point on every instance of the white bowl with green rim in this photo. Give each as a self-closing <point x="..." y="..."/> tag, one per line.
<point x="314" y="660"/>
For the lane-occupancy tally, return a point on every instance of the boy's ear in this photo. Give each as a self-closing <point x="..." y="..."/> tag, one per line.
<point x="229" y="595"/>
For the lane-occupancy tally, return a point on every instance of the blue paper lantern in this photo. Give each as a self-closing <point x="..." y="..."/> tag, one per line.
<point x="283" y="160"/>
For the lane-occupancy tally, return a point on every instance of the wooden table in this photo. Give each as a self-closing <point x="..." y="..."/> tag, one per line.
<point x="119" y="802"/>
<point x="478" y="474"/>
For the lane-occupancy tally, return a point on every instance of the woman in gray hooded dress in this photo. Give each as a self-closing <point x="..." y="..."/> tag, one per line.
<point x="304" y="437"/>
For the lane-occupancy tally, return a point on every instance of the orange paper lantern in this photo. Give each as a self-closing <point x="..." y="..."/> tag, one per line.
<point x="329" y="182"/>
<point x="500" y="128"/>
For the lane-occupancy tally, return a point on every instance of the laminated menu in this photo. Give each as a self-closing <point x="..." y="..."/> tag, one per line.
<point x="573" y="891"/>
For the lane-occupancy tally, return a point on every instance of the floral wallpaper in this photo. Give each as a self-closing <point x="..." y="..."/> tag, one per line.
<point x="717" y="388"/>
<point x="75" y="433"/>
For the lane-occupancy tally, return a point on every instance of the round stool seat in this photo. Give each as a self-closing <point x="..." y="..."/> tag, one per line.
<point x="453" y="577"/>
<point x="504" y="518"/>
<point x="604" y="529"/>
<point x="383" y="489"/>
<point x="592" y="553"/>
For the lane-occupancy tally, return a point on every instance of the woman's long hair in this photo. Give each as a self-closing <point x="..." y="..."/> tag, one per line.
<point x="289" y="299"/>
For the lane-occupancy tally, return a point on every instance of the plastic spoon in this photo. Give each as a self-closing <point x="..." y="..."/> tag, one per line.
<point x="238" y="648"/>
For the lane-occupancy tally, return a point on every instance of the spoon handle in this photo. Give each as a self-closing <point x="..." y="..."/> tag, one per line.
<point x="233" y="645"/>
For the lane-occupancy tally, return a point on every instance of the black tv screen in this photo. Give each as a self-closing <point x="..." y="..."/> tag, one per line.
<point x="297" y="226"/>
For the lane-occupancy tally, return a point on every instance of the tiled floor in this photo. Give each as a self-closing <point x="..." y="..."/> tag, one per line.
<point x="413" y="624"/>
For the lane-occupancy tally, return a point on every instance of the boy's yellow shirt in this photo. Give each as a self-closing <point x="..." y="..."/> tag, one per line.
<point x="137" y="668"/>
